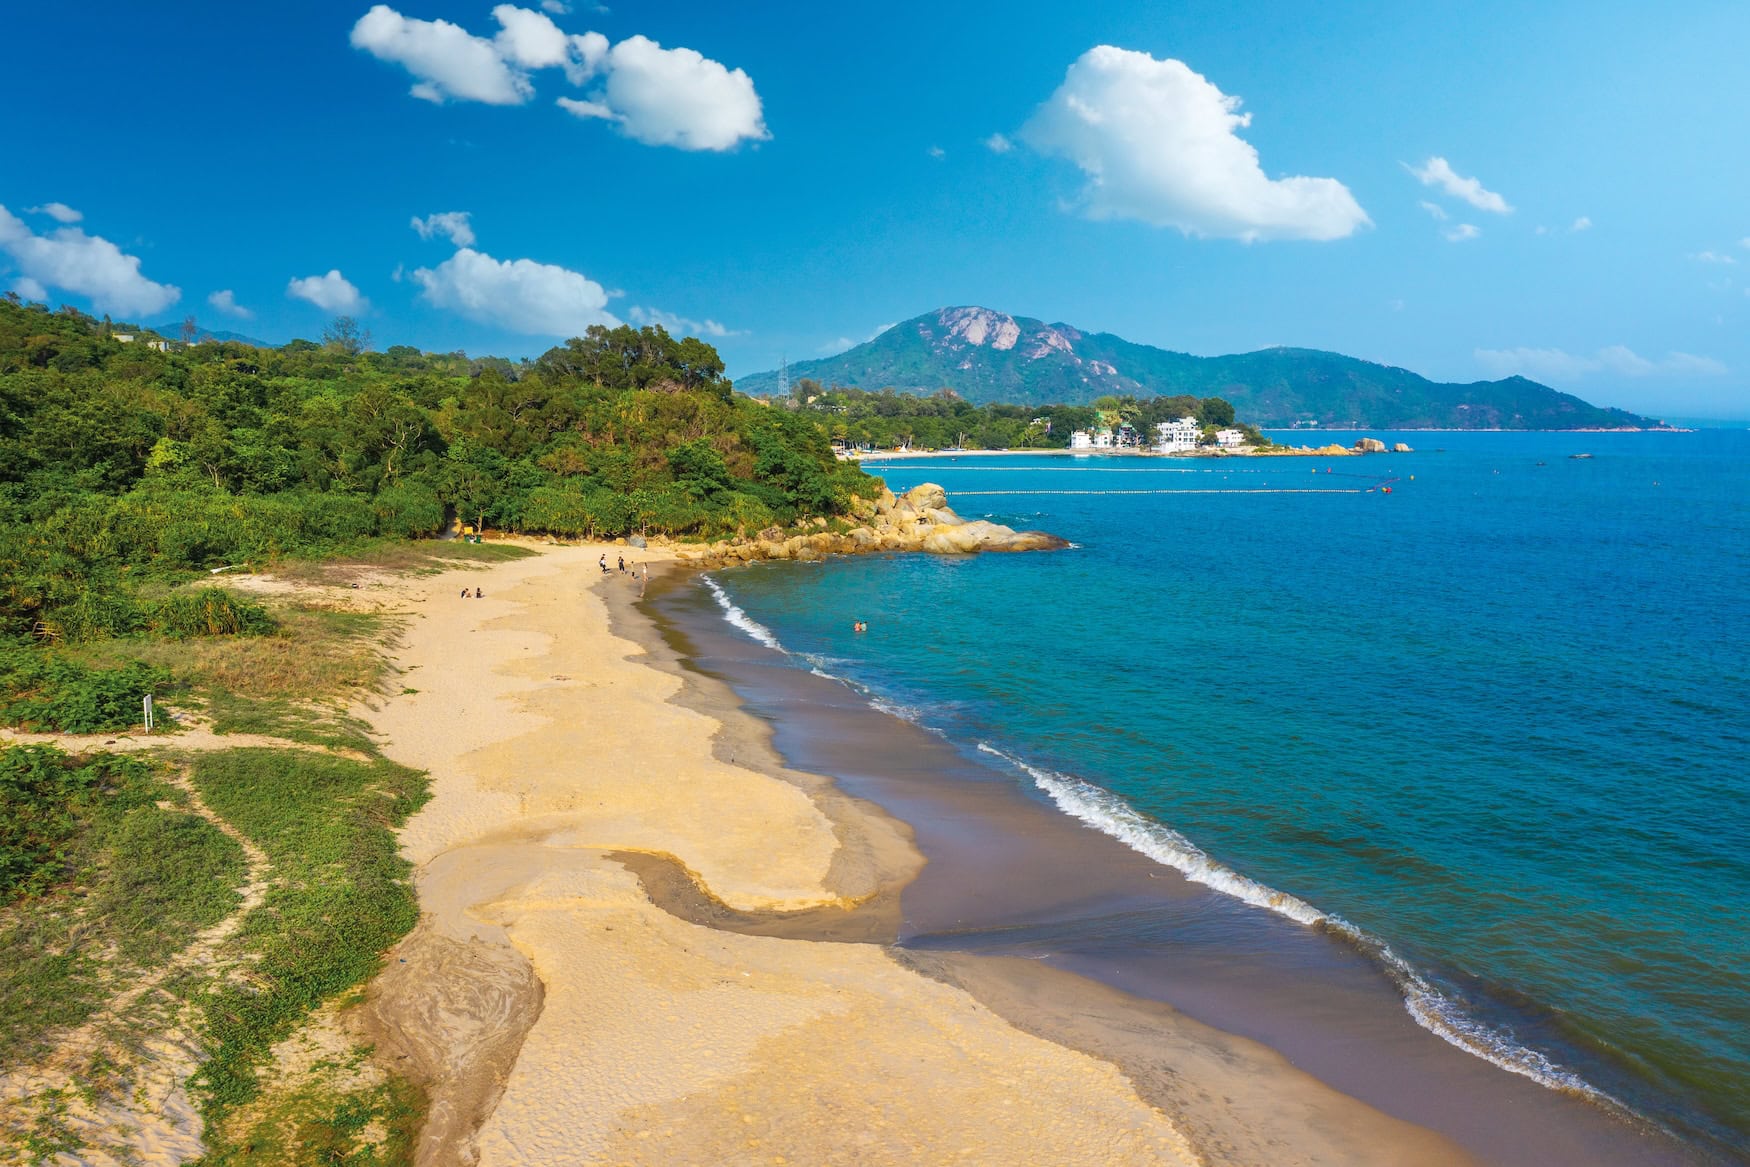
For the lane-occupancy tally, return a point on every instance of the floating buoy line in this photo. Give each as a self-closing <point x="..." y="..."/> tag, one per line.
<point x="1382" y="486"/>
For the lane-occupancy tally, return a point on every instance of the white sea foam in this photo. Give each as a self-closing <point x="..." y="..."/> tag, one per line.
<point x="1431" y="1009"/>
<point x="734" y="615"/>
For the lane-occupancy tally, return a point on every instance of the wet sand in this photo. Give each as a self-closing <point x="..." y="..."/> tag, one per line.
<point x="1062" y="929"/>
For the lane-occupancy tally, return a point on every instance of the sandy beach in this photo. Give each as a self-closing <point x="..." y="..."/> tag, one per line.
<point x="645" y="941"/>
<point x="558" y="1015"/>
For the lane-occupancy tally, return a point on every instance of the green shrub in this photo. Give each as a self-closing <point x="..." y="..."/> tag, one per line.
<point x="209" y="612"/>
<point x="43" y="793"/>
<point x="408" y="509"/>
<point x="44" y="692"/>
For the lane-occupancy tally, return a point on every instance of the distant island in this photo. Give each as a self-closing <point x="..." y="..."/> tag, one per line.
<point x="989" y="357"/>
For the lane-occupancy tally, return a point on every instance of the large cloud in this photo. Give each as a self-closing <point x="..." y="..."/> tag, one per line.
<point x="540" y="299"/>
<point x="662" y="97"/>
<point x="332" y="292"/>
<point x="1157" y="143"/>
<point x="674" y="97"/>
<point x="1554" y="364"/>
<point x="1437" y="172"/>
<point x="448" y="60"/>
<point x="87" y="265"/>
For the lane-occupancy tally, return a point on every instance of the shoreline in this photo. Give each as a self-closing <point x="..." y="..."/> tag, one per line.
<point x="1012" y="875"/>
<point x="600" y="970"/>
<point x="556" y="1014"/>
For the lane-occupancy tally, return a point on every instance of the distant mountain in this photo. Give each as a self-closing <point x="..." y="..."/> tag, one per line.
<point x="172" y="330"/>
<point x="988" y="356"/>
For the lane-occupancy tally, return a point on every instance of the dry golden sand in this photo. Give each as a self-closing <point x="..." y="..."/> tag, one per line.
<point x="558" y="1016"/>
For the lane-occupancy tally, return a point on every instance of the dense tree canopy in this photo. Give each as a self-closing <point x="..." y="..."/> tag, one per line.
<point x="120" y="458"/>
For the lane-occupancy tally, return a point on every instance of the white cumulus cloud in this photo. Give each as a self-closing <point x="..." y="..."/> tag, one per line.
<point x="332" y="292"/>
<point x="1157" y="142"/>
<point x="1461" y="232"/>
<point x="226" y="302"/>
<point x="998" y="144"/>
<point x="1581" y="224"/>
<point x="673" y="97"/>
<point x="447" y="60"/>
<point x="530" y="39"/>
<point x="1554" y="364"/>
<point x="59" y="212"/>
<point x="539" y="299"/>
<point x="87" y="265"/>
<point x="681" y="325"/>
<point x="661" y="97"/>
<point x="30" y="289"/>
<point x="453" y="225"/>
<point x="1437" y="172"/>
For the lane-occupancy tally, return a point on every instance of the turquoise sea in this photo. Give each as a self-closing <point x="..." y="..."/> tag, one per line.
<point x="1493" y="722"/>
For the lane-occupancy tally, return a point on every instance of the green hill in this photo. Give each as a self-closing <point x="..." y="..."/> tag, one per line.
<point x="988" y="356"/>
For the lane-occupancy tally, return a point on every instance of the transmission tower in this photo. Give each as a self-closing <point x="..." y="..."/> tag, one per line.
<point x="783" y="377"/>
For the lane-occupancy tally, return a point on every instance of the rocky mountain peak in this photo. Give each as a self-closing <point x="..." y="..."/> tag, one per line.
<point x="978" y="326"/>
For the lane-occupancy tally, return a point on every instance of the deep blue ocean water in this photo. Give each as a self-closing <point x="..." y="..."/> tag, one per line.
<point x="1496" y="719"/>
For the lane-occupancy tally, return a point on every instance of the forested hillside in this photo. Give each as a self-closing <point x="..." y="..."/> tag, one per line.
<point x="118" y="459"/>
<point x="987" y="356"/>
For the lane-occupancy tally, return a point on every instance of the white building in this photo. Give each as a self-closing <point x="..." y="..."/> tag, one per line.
<point x="1173" y="436"/>
<point x="1081" y="440"/>
<point x="1230" y="439"/>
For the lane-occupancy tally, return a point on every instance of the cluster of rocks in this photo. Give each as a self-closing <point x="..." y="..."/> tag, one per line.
<point x="1334" y="450"/>
<point x="918" y="520"/>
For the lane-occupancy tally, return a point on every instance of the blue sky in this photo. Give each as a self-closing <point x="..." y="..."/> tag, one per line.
<point x="1467" y="190"/>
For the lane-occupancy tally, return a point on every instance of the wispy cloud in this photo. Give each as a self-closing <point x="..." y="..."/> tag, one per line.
<point x="453" y="225"/>
<point x="1438" y="172"/>
<point x="998" y="144"/>
<point x="681" y="325"/>
<point x="59" y="212"/>
<point x="1554" y="364"/>
<point x="1714" y="257"/>
<point x="1434" y="209"/>
<point x="1581" y="224"/>
<point x="1461" y="232"/>
<point x="226" y="302"/>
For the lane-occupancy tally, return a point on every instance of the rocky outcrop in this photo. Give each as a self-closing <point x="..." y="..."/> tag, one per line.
<point x="1370" y="446"/>
<point x="1401" y="448"/>
<point x="918" y="520"/>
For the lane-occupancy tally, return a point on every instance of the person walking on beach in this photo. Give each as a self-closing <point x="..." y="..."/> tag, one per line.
<point x="604" y="563"/>
<point x="622" y="565"/>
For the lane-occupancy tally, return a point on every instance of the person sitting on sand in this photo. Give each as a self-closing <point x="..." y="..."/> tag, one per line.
<point x="464" y="593"/>
<point x="477" y="593"/>
<point x="604" y="563"/>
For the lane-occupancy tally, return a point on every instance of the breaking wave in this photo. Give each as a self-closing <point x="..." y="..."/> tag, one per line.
<point x="1432" y="1009"/>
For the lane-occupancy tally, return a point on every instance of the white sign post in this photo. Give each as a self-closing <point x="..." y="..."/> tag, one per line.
<point x="148" y="707"/>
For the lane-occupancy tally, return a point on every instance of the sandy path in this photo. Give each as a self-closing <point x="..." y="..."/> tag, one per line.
<point x="558" y="1016"/>
<point x="152" y="1120"/>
